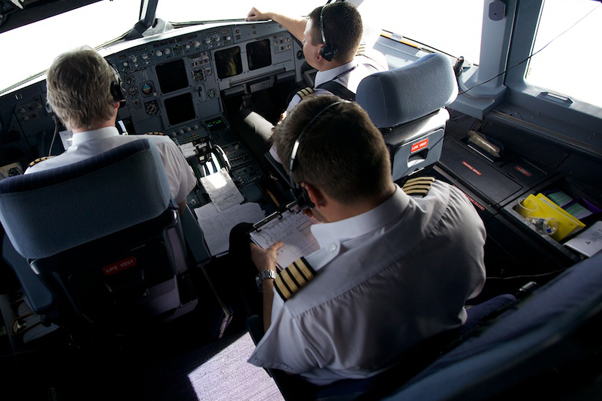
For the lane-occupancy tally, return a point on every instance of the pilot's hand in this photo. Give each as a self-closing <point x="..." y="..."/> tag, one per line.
<point x="308" y="213"/>
<point x="265" y="259"/>
<point x="256" y="15"/>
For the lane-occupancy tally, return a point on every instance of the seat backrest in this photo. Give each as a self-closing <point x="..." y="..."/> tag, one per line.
<point x="102" y="235"/>
<point x="407" y="105"/>
<point x="547" y="331"/>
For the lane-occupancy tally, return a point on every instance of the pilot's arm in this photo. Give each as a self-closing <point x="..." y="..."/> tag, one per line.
<point x="296" y="26"/>
<point x="266" y="259"/>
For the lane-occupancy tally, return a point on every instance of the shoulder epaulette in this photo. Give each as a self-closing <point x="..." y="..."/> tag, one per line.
<point x="290" y="280"/>
<point x="39" y="159"/>
<point x="418" y="186"/>
<point x="361" y="49"/>
<point x="305" y="92"/>
<point x="154" y="133"/>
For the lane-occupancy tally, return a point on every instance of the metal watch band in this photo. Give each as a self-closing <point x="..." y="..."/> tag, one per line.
<point x="264" y="275"/>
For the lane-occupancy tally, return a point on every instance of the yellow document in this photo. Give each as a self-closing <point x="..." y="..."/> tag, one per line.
<point x="542" y="207"/>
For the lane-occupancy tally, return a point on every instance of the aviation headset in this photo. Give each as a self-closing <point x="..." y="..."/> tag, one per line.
<point x="300" y="193"/>
<point x="328" y="52"/>
<point x="117" y="89"/>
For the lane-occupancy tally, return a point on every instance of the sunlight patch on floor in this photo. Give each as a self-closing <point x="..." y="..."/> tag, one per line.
<point x="228" y="376"/>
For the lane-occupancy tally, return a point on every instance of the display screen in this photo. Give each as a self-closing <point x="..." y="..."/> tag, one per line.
<point x="215" y="124"/>
<point x="259" y="54"/>
<point x="172" y="76"/>
<point x="228" y="62"/>
<point x="179" y="109"/>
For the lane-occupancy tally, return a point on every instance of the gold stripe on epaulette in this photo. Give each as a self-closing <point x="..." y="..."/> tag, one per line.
<point x="305" y="92"/>
<point x="154" y="133"/>
<point x="40" y="159"/>
<point x="290" y="280"/>
<point x="361" y="49"/>
<point x="418" y="186"/>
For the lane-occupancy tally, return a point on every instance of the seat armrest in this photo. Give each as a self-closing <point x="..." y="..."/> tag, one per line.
<point x="194" y="237"/>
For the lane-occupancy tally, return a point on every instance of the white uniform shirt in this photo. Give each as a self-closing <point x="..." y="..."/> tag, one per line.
<point x="386" y="280"/>
<point x="91" y="143"/>
<point x="349" y="75"/>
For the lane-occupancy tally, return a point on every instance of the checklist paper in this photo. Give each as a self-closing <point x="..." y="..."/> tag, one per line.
<point x="294" y="229"/>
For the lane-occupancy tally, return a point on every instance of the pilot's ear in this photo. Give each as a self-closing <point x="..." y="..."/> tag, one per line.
<point x="315" y="194"/>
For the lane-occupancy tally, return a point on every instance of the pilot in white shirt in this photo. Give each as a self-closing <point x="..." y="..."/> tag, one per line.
<point x="392" y="269"/>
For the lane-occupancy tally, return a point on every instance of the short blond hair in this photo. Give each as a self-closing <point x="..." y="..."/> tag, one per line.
<point x="79" y="88"/>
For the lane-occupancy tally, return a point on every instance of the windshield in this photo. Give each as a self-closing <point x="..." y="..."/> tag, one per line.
<point x="104" y="21"/>
<point x="565" y="57"/>
<point x="34" y="46"/>
<point x="448" y="26"/>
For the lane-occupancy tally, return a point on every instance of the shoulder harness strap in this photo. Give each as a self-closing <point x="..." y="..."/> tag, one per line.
<point x="338" y="89"/>
<point x="39" y="159"/>
<point x="418" y="186"/>
<point x="290" y="280"/>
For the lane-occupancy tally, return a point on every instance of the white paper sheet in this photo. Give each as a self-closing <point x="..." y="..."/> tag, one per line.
<point x="216" y="225"/>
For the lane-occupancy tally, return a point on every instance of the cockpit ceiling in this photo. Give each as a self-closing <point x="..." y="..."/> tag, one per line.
<point x="16" y="13"/>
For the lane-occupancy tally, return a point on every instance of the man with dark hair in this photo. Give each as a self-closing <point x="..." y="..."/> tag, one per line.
<point x="340" y="68"/>
<point x="392" y="270"/>
<point x="81" y="92"/>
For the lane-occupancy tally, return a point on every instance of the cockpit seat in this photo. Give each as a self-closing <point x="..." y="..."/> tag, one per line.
<point x="408" y="105"/>
<point x="547" y="346"/>
<point x="101" y="239"/>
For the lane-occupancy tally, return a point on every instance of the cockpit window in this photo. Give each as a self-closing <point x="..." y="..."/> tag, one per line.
<point x="194" y="10"/>
<point x="453" y="27"/>
<point x="34" y="46"/>
<point x="31" y="48"/>
<point x="565" y="54"/>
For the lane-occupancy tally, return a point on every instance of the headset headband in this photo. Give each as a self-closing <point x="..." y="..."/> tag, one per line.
<point x="302" y="134"/>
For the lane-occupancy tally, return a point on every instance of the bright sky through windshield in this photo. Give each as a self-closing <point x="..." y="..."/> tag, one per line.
<point x="441" y="24"/>
<point x="105" y="20"/>
<point x="569" y="60"/>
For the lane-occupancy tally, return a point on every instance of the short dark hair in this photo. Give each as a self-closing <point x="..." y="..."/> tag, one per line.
<point x="342" y="153"/>
<point x="343" y="28"/>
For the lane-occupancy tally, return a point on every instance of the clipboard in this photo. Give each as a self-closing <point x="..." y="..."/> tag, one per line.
<point x="291" y="227"/>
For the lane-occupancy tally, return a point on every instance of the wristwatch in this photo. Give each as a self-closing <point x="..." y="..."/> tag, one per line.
<point x="262" y="276"/>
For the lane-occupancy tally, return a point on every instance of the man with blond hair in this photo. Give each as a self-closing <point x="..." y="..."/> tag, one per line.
<point x="84" y="91"/>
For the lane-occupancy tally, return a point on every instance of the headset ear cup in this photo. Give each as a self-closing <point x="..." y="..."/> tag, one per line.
<point x="306" y="200"/>
<point x="117" y="91"/>
<point x="328" y="52"/>
<point x="302" y="197"/>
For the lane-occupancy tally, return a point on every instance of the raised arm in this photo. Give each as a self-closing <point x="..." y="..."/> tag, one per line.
<point x="295" y="25"/>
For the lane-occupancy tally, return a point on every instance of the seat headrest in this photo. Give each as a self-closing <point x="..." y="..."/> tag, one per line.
<point x="47" y="178"/>
<point x="404" y="94"/>
<point x="47" y="212"/>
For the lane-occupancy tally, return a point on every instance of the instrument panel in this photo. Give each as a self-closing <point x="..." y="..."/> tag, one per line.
<point x="173" y="81"/>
